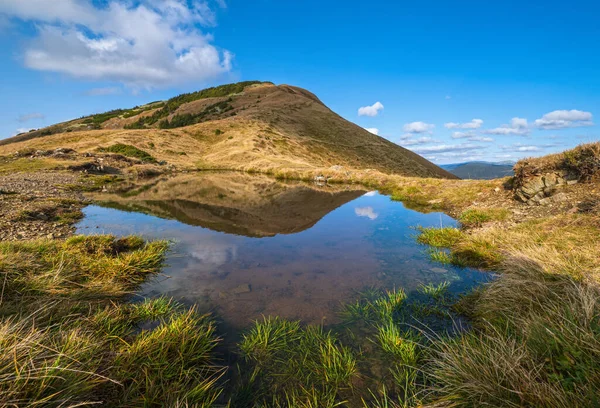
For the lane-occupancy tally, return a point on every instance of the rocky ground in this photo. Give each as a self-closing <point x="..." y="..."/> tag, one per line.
<point x="572" y="198"/>
<point x="39" y="205"/>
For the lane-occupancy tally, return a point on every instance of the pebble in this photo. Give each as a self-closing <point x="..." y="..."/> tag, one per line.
<point x="243" y="288"/>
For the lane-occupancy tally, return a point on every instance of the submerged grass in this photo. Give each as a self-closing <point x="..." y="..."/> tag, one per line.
<point x="291" y="366"/>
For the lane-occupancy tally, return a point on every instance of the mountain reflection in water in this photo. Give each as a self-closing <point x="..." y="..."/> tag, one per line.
<point x="247" y="245"/>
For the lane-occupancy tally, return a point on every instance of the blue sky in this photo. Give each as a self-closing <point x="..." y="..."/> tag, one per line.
<point x="451" y="80"/>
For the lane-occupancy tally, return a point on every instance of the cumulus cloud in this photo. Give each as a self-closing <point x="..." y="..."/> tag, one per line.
<point x="375" y="131"/>
<point x="473" y="124"/>
<point x="143" y="44"/>
<point x="517" y="126"/>
<point x="561" y="119"/>
<point x="418" y="127"/>
<point x="372" y="110"/>
<point x="445" y="148"/>
<point x="409" y="141"/>
<point x="367" y="212"/>
<point x="113" y="90"/>
<point x="481" y="139"/>
<point x="370" y="194"/>
<point x="520" y="148"/>
<point x="463" y="135"/>
<point x="31" y="116"/>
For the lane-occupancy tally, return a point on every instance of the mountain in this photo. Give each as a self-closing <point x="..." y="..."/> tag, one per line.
<point x="480" y="169"/>
<point x="242" y="204"/>
<point x="245" y="126"/>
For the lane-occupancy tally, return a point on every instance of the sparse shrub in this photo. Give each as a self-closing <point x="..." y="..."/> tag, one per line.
<point x="129" y="151"/>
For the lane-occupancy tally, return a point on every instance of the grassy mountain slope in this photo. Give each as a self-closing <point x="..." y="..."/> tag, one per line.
<point x="242" y="204"/>
<point x="247" y="126"/>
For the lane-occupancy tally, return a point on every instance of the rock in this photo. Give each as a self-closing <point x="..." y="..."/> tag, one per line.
<point x="63" y="150"/>
<point x="337" y="168"/>
<point x="533" y="186"/>
<point x="497" y="189"/>
<point x="536" y="189"/>
<point x="243" y="288"/>
<point x="439" y="270"/>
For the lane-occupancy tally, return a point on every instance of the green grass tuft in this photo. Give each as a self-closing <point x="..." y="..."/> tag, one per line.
<point x="439" y="237"/>
<point x="477" y="217"/>
<point x="290" y="363"/>
<point x="129" y="151"/>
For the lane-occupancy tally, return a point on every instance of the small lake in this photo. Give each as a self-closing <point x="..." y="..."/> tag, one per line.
<point x="249" y="245"/>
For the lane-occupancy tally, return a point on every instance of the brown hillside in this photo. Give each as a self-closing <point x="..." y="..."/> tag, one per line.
<point x="259" y="126"/>
<point x="236" y="203"/>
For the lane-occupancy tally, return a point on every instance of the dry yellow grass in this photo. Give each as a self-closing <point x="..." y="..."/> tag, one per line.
<point x="265" y="128"/>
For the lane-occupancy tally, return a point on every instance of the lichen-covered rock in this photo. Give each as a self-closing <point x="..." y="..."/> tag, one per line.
<point x="534" y="190"/>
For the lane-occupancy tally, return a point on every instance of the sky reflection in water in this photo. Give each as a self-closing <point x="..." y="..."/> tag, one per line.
<point x="307" y="275"/>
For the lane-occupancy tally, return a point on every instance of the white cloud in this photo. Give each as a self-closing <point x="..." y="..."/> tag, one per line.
<point x="370" y="194"/>
<point x="418" y="127"/>
<point x="366" y="212"/>
<point x="561" y="119"/>
<point x="144" y="44"/>
<point x="409" y="141"/>
<point x="527" y="149"/>
<point x="518" y="127"/>
<point x="372" y="110"/>
<point x="473" y="124"/>
<point x="114" y="90"/>
<point x="519" y="123"/>
<point x="471" y="136"/>
<point x="31" y="116"/>
<point x="444" y="148"/>
<point x="463" y="135"/>
<point x="481" y="139"/>
<point x="375" y="131"/>
<point x="519" y="147"/>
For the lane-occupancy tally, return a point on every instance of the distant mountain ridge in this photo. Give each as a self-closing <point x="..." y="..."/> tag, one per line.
<point x="480" y="170"/>
<point x="245" y="126"/>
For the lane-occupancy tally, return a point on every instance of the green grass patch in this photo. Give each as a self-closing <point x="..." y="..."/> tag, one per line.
<point x="440" y="237"/>
<point x="67" y="334"/>
<point x="477" y="217"/>
<point x="291" y="365"/>
<point x="129" y="151"/>
<point x="436" y="291"/>
<point x="173" y="104"/>
<point x="440" y="256"/>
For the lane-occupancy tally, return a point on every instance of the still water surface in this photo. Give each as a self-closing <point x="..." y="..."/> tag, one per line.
<point x="247" y="246"/>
